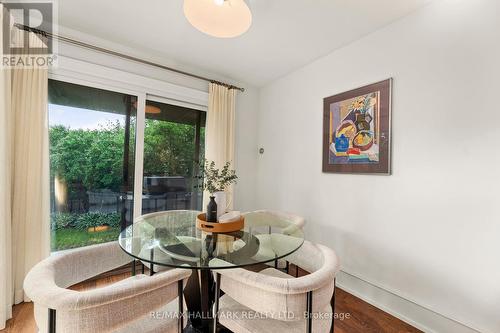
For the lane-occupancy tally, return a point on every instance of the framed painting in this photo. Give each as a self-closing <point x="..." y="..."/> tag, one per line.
<point x="357" y="130"/>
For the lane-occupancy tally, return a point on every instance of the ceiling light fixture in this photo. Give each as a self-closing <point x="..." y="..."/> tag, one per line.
<point x="150" y="109"/>
<point x="219" y="18"/>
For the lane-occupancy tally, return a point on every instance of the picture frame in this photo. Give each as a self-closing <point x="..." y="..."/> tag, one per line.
<point x="357" y="130"/>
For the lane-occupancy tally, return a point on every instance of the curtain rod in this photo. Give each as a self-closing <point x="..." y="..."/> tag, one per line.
<point x="121" y="55"/>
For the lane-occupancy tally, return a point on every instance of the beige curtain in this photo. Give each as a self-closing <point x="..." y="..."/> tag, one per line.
<point x="24" y="179"/>
<point x="219" y="131"/>
<point x="6" y="290"/>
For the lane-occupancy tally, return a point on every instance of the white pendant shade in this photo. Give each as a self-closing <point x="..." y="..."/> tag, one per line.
<point x="218" y="18"/>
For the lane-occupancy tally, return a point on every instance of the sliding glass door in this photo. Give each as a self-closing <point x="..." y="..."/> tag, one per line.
<point x="173" y="145"/>
<point x="94" y="138"/>
<point x="92" y="144"/>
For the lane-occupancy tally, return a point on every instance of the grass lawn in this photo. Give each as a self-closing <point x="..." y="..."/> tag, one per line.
<point x="69" y="238"/>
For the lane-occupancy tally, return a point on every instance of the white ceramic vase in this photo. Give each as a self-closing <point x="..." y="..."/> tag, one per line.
<point x="220" y="199"/>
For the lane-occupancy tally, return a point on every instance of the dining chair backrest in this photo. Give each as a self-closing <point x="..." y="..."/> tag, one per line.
<point x="287" y="221"/>
<point x="73" y="266"/>
<point x="169" y="220"/>
<point x="170" y="217"/>
<point x="102" y="309"/>
<point x="274" y="295"/>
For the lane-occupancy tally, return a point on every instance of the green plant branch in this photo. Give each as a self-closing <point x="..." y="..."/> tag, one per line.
<point x="215" y="180"/>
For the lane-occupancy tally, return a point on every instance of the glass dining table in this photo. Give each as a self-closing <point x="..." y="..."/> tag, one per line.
<point x="171" y="239"/>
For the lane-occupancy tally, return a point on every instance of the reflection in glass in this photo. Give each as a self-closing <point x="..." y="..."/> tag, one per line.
<point x="92" y="153"/>
<point x="173" y="148"/>
<point x="172" y="239"/>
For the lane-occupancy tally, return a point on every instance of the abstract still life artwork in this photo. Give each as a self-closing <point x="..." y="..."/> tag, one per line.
<point x="356" y="130"/>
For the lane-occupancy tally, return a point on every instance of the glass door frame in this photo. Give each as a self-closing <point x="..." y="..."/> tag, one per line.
<point x="97" y="76"/>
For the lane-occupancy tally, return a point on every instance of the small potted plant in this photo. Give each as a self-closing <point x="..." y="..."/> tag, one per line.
<point x="216" y="181"/>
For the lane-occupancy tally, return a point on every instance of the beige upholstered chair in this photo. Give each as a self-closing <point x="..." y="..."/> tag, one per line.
<point x="261" y="218"/>
<point x="124" y="306"/>
<point x="274" y="301"/>
<point x="289" y="223"/>
<point x="163" y="219"/>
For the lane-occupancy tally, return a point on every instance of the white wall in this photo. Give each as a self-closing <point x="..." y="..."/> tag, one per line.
<point x="430" y="232"/>
<point x="246" y="102"/>
<point x="246" y="149"/>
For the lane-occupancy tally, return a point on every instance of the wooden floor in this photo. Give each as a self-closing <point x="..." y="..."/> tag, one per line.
<point x="359" y="316"/>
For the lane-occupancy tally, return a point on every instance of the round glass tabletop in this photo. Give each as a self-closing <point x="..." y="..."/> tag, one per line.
<point x="171" y="238"/>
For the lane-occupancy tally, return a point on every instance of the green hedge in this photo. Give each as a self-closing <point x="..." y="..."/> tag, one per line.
<point x="85" y="220"/>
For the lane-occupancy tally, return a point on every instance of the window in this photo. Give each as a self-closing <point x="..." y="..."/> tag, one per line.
<point x="92" y="161"/>
<point x="92" y="140"/>
<point x="173" y="144"/>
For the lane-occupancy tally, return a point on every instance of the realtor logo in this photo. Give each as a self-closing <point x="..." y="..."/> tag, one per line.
<point x="27" y="27"/>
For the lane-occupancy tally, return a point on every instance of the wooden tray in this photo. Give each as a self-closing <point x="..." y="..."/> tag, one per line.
<point x="202" y="224"/>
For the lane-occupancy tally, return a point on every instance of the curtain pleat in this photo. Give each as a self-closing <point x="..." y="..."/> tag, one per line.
<point x="6" y="288"/>
<point x="30" y="206"/>
<point x="24" y="183"/>
<point x="219" y="131"/>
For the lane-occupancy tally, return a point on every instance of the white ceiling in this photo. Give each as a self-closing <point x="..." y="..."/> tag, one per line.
<point x="285" y="34"/>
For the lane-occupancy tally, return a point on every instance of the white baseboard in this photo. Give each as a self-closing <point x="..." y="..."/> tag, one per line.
<point x="401" y="308"/>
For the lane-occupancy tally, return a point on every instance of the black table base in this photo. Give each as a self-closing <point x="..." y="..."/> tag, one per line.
<point x="190" y="329"/>
<point x="175" y="234"/>
<point x="199" y="295"/>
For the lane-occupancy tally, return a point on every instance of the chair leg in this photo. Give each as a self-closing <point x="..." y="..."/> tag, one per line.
<point x="216" y="304"/>
<point x="180" y="292"/>
<point x="133" y="267"/>
<point x="287" y="267"/>
<point x="332" y="302"/>
<point x="151" y="265"/>
<point x="309" y="312"/>
<point x="52" y="321"/>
